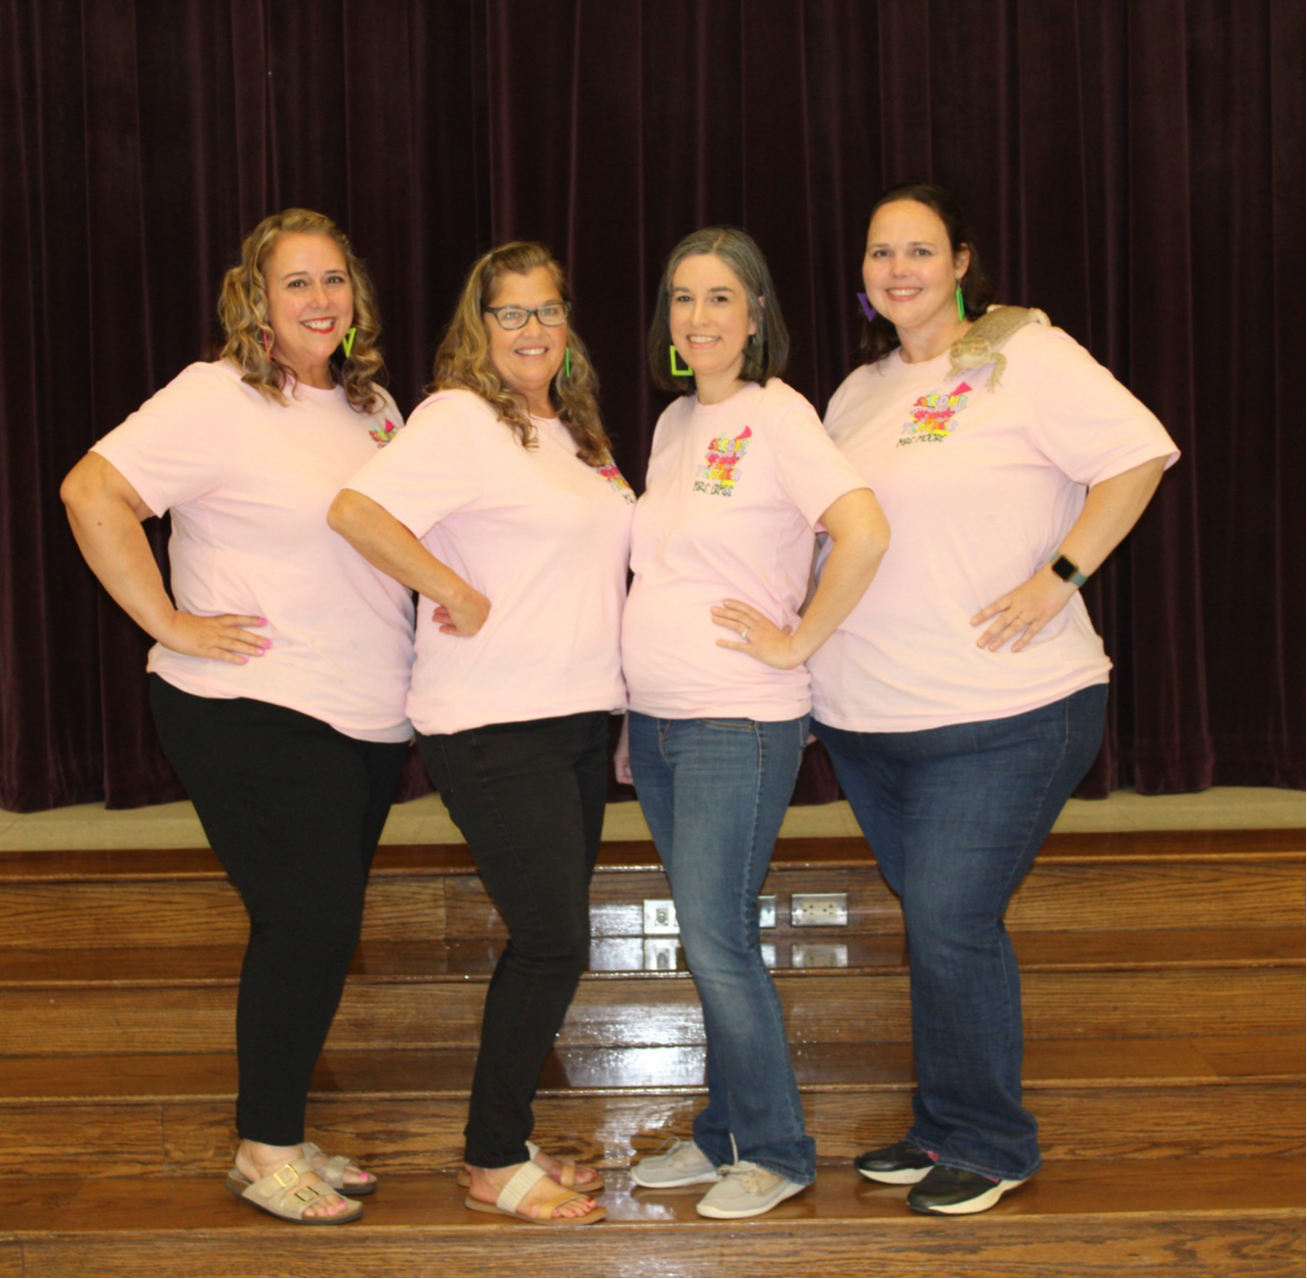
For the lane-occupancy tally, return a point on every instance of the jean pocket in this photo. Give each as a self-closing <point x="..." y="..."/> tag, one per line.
<point x="738" y="725"/>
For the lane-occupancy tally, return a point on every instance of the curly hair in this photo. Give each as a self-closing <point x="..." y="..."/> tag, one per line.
<point x="243" y="313"/>
<point x="767" y="352"/>
<point x="463" y="356"/>
<point x="879" y="337"/>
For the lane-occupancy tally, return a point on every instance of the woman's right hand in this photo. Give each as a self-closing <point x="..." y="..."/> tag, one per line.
<point x="466" y="617"/>
<point x="396" y="550"/>
<point x="221" y="639"/>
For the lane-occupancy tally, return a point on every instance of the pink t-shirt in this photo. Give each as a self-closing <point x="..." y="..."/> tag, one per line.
<point x="980" y="487"/>
<point x="543" y="536"/>
<point x="734" y="493"/>
<point x="248" y="483"/>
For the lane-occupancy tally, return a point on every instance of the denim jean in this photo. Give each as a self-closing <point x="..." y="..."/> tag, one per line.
<point x="714" y="792"/>
<point x="955" y="816"/>
<point x="529" y="799"/>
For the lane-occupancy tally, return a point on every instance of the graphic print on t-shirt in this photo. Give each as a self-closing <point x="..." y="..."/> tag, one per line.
<point x="383" y="434"/>
<point x="614" y="477"/>
<point x="721" y="464"/>
<point x="932" y="416"/>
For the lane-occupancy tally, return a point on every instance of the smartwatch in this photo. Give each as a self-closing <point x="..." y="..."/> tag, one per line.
<point x="1068" y="571"/>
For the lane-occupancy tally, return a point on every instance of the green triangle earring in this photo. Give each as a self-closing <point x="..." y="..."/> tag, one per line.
<point x="567" y="361"/>
<point x="347" y="342"/>
<point x="957" y="293"/>
<point x="684" y="370"/>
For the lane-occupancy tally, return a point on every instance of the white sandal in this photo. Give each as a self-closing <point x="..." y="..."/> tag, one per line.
<point x="541" y="1213"/>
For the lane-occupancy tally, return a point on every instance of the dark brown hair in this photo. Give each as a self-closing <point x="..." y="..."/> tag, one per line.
<point x="879" y="336"/>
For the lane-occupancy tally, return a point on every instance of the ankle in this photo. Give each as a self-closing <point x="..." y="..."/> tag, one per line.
<point x="260" y="1158"/>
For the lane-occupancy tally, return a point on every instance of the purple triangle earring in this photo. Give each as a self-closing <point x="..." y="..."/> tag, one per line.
<point x="867" y="309"/>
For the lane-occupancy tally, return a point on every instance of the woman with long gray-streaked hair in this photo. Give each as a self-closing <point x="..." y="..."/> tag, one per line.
<point x="500" y="504"/>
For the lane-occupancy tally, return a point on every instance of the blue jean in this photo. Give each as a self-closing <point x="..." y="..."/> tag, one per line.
<point x="955" y="816"/>
<point x="714" y="792"/>
<point x="529" y="799"/>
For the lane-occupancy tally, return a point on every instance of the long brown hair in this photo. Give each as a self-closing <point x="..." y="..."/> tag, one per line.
<point x="243" y="311"/>
<point x="463" y="356"/>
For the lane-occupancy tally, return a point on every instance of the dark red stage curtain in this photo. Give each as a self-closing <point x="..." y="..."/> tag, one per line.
<point x="1132" y="166"/>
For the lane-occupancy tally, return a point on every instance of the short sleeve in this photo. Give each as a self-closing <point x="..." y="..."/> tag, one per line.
<point x="811" y="470"/>
<point x="1081" y="418"/>
<point x="172" y="450"/>
<point x="434" y="466"/>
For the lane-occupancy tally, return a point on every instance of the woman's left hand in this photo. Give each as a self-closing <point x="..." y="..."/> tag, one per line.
<point x="1021" y="614"/>
<point x="758" y="636"/>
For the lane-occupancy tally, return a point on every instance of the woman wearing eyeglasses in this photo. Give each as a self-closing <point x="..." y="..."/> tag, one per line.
<point x="502" y="507"/>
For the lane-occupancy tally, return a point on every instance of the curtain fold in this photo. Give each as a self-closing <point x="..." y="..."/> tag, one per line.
<point x="1133" y="168"/>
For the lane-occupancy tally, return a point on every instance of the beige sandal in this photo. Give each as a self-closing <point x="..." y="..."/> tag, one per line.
<point x="541" y="1213"/>
<point x="284" y="1194"/>
<point x="332" y="1171"/>
<point x="566" y="1178"/>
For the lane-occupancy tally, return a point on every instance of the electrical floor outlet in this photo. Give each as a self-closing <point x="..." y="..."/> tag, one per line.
<point x="829" y="910"/>
<point x="660" y="915"/>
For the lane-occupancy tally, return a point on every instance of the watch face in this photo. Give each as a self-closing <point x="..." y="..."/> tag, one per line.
<point x="1068" y="572"/>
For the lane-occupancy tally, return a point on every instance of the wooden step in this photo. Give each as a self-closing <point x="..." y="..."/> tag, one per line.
<point x="1198" y="1217"/>
<point x="1170" y="1150"/>
<point x="410" y="995"/>
<point x="1145" y="880"/>
<point x="154" y="1115"/>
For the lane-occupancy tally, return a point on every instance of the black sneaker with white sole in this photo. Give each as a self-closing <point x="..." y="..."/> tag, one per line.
<point x="956" y="1191"/>
<point x="901" y="1164"/>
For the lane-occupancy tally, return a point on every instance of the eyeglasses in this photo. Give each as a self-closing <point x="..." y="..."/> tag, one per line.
<point x="551" y="315"/>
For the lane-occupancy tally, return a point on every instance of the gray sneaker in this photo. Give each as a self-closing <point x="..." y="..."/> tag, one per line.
<point x="681" y="1164"/>
<point x="746" y="1191"/>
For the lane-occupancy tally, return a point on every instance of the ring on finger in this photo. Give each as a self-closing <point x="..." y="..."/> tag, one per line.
<point x="744" y="635"/>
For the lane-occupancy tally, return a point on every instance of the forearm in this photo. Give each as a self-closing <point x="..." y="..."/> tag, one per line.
<point x="107" y="528"/>
<point x="859" y="534"/>
<point x="848" y="571"/>
<point x="1111" y="510"/>
<point x="1109" y="513"/>
<point x="391" y="547"/>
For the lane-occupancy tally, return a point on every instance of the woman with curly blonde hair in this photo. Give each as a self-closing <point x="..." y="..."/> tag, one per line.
<point x="289" y="744"/>
<point x="500" y="504"/>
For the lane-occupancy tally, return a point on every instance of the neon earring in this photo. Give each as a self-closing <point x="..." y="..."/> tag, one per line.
<point x="867" y="309"/>
<point x="348" y="340"/>
<point x="957" y="294"/>
<point x="267" y="342"/>
<point x="683" y="370"/>
<point x="567" y="361"/>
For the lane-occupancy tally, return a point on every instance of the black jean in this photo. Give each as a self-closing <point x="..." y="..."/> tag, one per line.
<point x="293" y="809"/>
<point x="529" y="799"/>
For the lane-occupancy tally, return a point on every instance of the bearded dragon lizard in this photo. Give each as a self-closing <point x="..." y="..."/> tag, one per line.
<point x="980" y="344"/>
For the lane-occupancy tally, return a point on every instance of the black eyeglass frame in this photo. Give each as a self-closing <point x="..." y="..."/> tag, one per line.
<point x="529" y="311"/>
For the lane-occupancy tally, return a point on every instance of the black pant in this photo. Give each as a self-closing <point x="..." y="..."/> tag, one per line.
<point x="529" y="799"/>
<point x="293" y="809"/>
